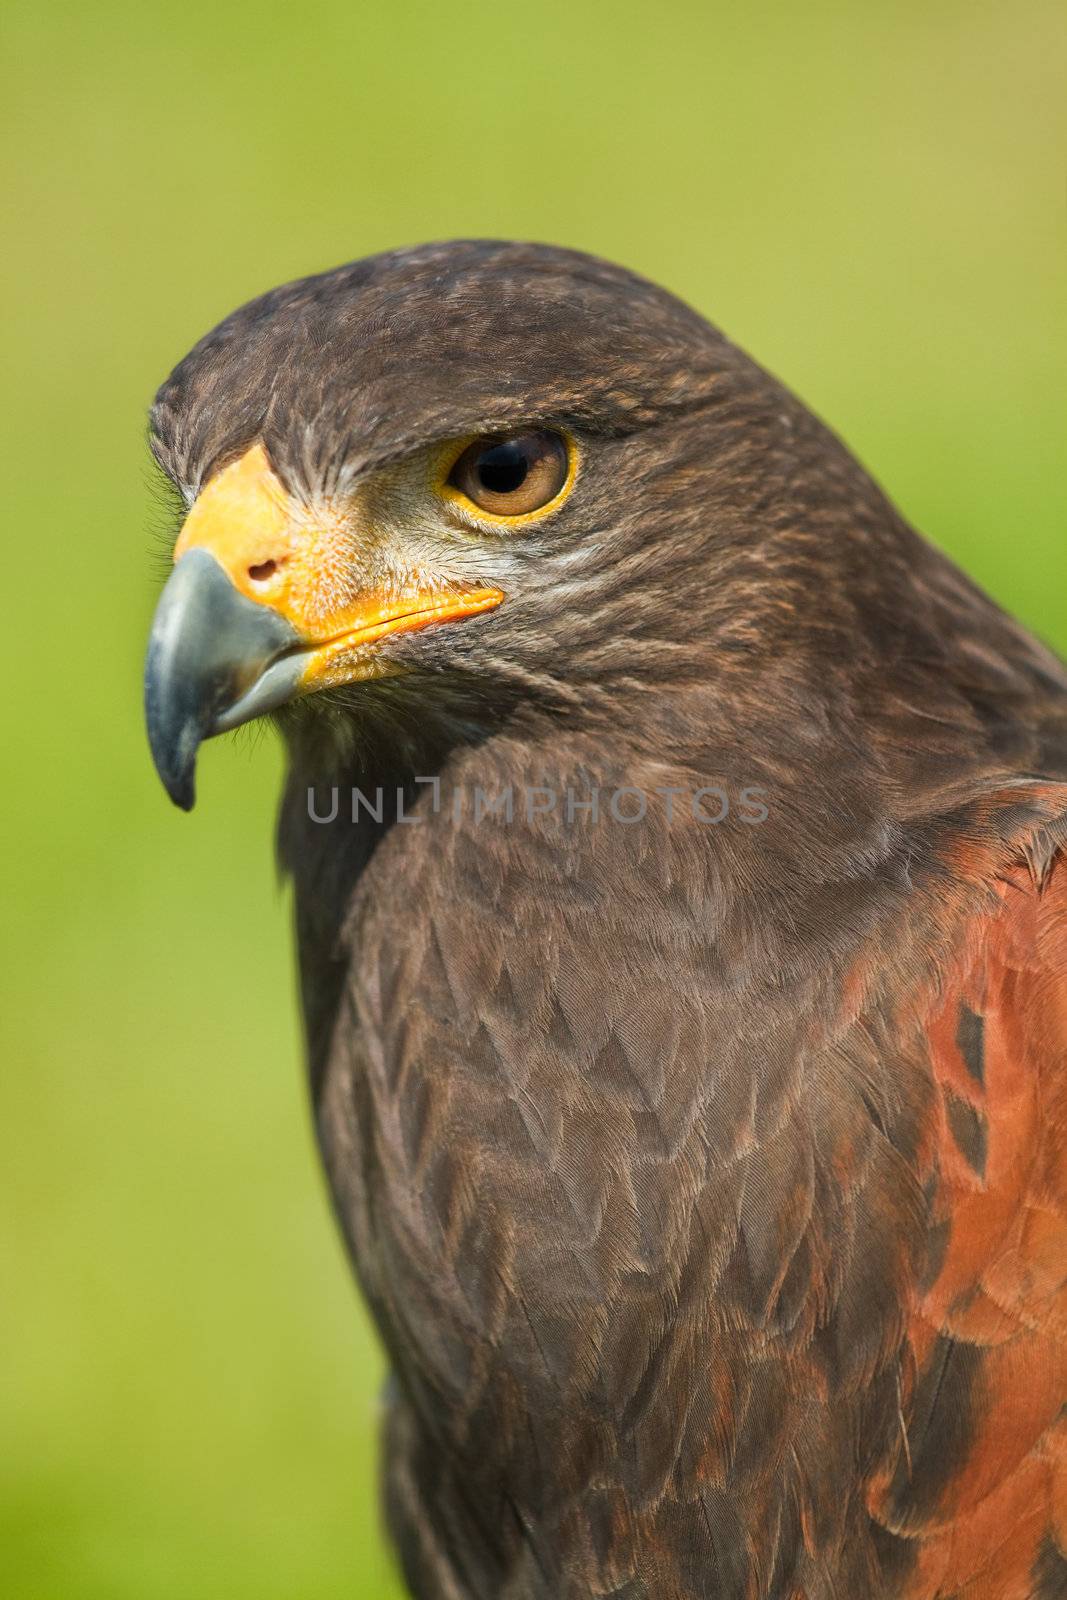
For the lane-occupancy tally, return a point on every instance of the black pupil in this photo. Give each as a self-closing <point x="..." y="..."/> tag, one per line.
<point x="503" y="467"/>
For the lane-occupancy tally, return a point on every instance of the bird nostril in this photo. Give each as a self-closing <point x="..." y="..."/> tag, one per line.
<point x="262" y="570"/>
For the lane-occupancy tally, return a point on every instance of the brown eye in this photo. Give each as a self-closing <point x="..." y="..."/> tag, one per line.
<point x="514" y="475"/>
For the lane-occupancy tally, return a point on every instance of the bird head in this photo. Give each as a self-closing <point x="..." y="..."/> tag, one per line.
<point x="501" y="470"/>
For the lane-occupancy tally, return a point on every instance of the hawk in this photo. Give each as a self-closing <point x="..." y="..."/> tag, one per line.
<point x="678" y="850"/>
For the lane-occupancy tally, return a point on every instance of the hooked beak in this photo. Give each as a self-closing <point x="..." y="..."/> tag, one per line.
<point x="262" y="606"/>
<point x="215" y="659"/>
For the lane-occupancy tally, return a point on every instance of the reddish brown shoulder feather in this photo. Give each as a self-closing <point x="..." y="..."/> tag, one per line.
<point x="979" y="1483"/>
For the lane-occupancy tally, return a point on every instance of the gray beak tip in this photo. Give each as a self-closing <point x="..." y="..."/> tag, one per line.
<point x="175" y="731"/>
<point x="174" y="758"/>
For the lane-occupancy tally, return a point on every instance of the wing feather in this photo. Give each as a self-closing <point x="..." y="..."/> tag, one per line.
<point x="979" y="1481"/>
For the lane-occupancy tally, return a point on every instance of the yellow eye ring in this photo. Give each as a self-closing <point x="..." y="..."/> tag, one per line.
<point x="487" y="446"/>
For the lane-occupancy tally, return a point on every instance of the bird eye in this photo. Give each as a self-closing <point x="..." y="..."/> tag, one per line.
<point x="512" y="475"/>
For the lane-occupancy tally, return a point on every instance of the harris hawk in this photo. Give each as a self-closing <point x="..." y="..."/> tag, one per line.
<point x="678" y="843"/>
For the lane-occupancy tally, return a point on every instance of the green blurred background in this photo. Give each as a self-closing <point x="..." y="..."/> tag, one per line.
<point x="867" y="196"/>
